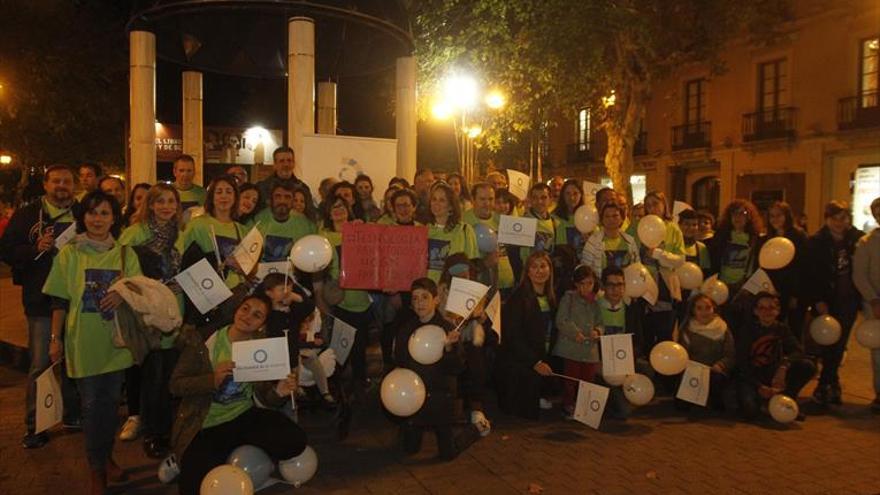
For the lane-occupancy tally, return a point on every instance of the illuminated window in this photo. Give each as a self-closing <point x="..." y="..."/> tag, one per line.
<point x="582" y="134"/>
<point x="868" y="58"/>
<point x="639" y="184"/>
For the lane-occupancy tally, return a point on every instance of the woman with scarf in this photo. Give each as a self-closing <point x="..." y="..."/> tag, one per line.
<point x="82" y="325"/>
<point x="153" y="233"/>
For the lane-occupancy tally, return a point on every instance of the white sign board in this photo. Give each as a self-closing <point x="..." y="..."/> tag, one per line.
<point x="518" y="231"/>
<point x="50" y="406"/>
<point x="203" y="286"/>
<point x="345" y="158"/>
<point x="759" y="282"/>
<point x="518" y="184"/>
<point x="617" y="355"/>
<point x="268" y="267"/>
<point x="464" y="295"/>
<point x="590" y="190"/>
<point x="248" y="251"/>
<point x="342" y="340"/>
<point x="590" y="405"/>
<point x="260" y="360"/>
<point x="694" y="385"/>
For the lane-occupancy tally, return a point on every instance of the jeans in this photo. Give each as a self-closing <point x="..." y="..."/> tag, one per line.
<point x="157" y="413"/>
<point x="799" y="373"/>
<point x="39" y="330"/>
<point x="100" y="400"/>
<point x="269" y="430"/>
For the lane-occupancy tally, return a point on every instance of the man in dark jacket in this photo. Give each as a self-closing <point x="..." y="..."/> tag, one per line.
<point x="28" y="246"/>
<point x="770" y="359"/>
<point x="284" y="162"/>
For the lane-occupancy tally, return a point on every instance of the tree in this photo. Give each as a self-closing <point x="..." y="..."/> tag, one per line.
<point x="558" y="55"/>
<point x="65" y="81"/>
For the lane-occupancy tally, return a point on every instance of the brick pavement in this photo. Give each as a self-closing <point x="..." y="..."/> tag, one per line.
<point x="658" y="451"/>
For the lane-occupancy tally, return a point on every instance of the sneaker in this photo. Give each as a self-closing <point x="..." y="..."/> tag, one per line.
<point x="168" y="469"/>
<point x="479" y="420"/>
<point x="34" y="441"/>
<point x="545" y="404"/>
<point x="131" y="429"/>
<point x="329" y="399"/>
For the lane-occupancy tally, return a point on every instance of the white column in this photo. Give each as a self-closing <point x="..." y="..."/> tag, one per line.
<point x="405" y="112"/>
<point x="142" y="105"/>
<point x="327" y="107"/>
<point x="300" y="84"/>
<point x="193" y="141"/>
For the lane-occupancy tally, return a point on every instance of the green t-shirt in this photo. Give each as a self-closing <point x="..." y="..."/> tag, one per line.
<point x="616" y="253"/>
<point x="443" y="243"/>
<point x="505" y="270"/>
<point x="545" y="237"/>
<point x="353" y="300"/>
<point x="735" y="260"/>
<point x="698" y="253"/>
<point x="228" y="234"/>
<point x="231" y="399"/>
<point x="673" y="242"/>
<point x="568" y="234"/>
<point x="613" y="319"/>
<point x="139" y="234"/>
<point x="58" y="218"/>
<point x="386" y="219"/>
<point x="279" y="237"/>
<point x="81" y="275"/>
<point x="194" y="196"/>
<point x="544" y="306"/>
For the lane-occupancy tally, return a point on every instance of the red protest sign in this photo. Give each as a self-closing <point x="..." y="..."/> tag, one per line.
<point x="382" y="257"/>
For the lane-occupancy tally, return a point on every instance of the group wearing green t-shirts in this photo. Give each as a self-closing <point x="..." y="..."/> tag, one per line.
<point x="442" y="243"/>
<point x="505" y="270"/>
<point x="81" y="274"/>
<point x="617" y="252"/>
<point x="228" y="235"/>
<point x="279" y="237"/>
<point x="231" y="399"/>
<point x="194" y="196"/>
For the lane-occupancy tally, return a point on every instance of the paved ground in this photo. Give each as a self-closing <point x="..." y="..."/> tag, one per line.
<point x="659" y="451"/>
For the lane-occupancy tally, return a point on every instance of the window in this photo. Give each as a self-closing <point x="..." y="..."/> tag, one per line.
<point x="639" y="184"/>
<point x="868" y="58"/>
<point x="582" y="130"/>
<point x="694" y="101"/>
<point x="771" y="85"/>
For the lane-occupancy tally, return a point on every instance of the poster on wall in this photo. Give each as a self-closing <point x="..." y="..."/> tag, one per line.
<point x="347" y="157"/>
<point x="226" y="145"/>
<point x="865" y="190"/>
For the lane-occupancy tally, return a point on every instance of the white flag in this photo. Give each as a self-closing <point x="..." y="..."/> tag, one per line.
<point x="342" y="340"/>
<point x="590" y="404"/>
<point x="268" y="267"/>
<point x="259" y="360"/>
<point x="617" y="355"/>
<point x="66" y="236"/>
<point x="50" y="405"/>
<point x="518" y="184"/>
<point x="590" y="190"/>
<point x="464" y="295"/>
<point x="519" y="231"/>
<point x="493" y="311"/>
<point x="678" y="207"/>
<point x="203" y="286"/>
<point x="759" y="282"/>
<point x="249" y="250"/>
<point x="694" y="385"/>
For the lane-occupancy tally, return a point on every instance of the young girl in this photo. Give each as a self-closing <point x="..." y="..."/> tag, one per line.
<point x="708" y="341"/>
<point x="579" y="326"/>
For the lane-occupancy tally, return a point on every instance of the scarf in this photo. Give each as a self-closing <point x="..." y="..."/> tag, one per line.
<point x="83" y="240"/>
<point x="162" y="245"/>
<point x="714" y="330"/>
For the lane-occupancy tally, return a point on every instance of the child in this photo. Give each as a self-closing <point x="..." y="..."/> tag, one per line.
<point x="708" y="341"/>
<point x="695" y="250"/>
<point x="439" y="378"/>
<point x="310" y="347"/>
<point x="579" y="329"/>
<point x="770" y="359"/>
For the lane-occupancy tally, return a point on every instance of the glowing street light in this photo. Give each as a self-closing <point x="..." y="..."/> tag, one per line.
<point x="495" y="99"/>
<point x="5" y="159"/>
<point x="474" y="131"/>
<point x="442" y="110"/>
<point x="460" y="91"/>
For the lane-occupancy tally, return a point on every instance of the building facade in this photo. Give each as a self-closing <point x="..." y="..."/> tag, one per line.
<point x="797" y="121"/>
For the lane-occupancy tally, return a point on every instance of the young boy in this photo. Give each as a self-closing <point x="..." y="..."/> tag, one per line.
<point x="770" y="359"/>
<point x="695" y="250"/>
<point x="438" y="412"/>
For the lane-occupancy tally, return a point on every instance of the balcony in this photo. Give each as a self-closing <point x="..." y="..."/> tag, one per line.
<point x="594" y="151"/>
<point x="691" y="136"/>
<point x="858" y="112"/>
<point x="773" y="123"/>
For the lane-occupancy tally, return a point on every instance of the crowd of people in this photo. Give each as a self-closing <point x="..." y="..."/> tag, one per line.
<point x="559" y="297"/>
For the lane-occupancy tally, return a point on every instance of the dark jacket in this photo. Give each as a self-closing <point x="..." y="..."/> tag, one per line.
<point x="18" y="248"/>
<point x="193" y="381"/>
<point x="760" y="350"/>
<point x="792" y="280"/>
<point x="821" y="259"/>
<point x="439" y="378"/>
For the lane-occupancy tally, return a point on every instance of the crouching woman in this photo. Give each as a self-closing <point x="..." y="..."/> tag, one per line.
<point x="218" y="414"/>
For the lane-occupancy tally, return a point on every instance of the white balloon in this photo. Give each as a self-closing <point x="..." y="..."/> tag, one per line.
<point x="311" y="253"/>
<point x="669" y="358"/>
<point x="426" y="344"/>
<point x="226" y="480"/>
<point x="402" y="392"/>
<point x="825" y="330"/>
<point x="636" y="277"/>
<point x="776" y="253"/>
<point x="614" y="380"/>
<point x="651" y="230"/>
<point x="638" y="389"/>
<point x="586" y="218"/>
<point x="253" y="461"/>
<point x="299" y="469"/>
<point x="783" y="408"/>
<point x="716" y="290"/>
<point x="690" y="275"/>
<point x="868" y="333"/>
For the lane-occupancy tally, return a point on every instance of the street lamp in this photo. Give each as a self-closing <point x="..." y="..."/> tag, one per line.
<point x="460" y="99"/>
